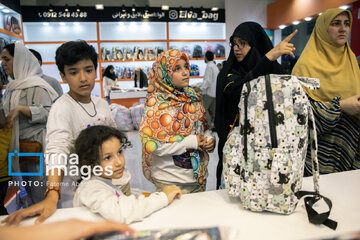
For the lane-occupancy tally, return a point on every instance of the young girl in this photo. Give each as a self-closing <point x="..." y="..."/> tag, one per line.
<point x="173" y="127"/>
<point x="101" y="147"/>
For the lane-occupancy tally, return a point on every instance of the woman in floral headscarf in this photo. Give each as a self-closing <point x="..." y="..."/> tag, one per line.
<point x="174" y="130"/>
<point x="328" y="57"/>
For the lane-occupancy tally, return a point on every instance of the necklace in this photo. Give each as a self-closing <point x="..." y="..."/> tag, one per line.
<point x="87" y="111"/>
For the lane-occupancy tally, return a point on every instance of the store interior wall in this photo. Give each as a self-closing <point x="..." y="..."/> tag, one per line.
<point x="237" y="12"/>
<point x="140" y="3"/>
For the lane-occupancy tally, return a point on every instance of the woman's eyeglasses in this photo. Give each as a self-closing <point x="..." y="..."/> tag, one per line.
<point x="239" y="44"/>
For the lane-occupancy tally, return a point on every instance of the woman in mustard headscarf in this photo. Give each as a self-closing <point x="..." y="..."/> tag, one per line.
<point x="174" y="130"/>
<point x="336" y="105"/>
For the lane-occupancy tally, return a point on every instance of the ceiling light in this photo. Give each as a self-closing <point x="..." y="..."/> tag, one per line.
<point x="99" y="6"/>
<point x="344" y="7"/>
<point x="165" y="7"/>
<point x="214" y="9"/>
<point x="308" y="19"/>
<point x="45" y="23"/>
<point x="5" y="10"/>
<point x="296" y="22"/>
<point x="282" y="26"/>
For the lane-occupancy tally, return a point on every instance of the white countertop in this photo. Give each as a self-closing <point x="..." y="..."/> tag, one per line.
<point x="121" y="94"/>
<point x="214" y="208"/>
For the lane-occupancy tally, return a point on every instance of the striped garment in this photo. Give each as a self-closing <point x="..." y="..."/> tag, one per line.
<point x="338" y="139"/>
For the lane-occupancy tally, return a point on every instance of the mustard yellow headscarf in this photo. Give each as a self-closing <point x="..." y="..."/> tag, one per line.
<point x="335" y="66"/>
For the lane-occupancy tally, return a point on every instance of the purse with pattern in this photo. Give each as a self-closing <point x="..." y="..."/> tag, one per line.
<point x="264" y="157"/>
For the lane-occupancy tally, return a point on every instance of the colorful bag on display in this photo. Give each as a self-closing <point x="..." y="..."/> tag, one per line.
<point x="194" y="70"/>
<point x="198" y="52"/>
<point x="264" y="157"/>
<point x="122" y="117"/>
<point x="219" y="50"/>
<point x="136" y="114"/>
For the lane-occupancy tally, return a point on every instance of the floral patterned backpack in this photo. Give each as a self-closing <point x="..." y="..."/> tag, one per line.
<point x="264" y="157"/>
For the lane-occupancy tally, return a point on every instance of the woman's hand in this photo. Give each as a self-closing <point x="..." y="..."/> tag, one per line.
<point x="67" y="230"/>
<point x="284" y="47"/>
<point x="45" y="208"/>
<point x="10" y="117"/>
<point x="351" y="105"/>
<point x="25" y="110"/>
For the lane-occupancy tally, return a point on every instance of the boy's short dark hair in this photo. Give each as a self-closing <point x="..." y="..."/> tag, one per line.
<point x="209" y="55"/>
<point x="89" y="141"/>
<point x="36" y="54"/>
<point x="71" y="52"/>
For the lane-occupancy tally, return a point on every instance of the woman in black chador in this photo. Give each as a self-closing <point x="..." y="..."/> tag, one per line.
<point x="252" y="55"/>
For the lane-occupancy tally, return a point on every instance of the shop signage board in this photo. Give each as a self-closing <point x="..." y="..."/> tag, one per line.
<point x="111" y="14"/>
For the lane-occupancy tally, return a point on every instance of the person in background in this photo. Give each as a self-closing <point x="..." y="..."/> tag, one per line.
<point x="208" y="87"/>
<point x="103" y="147"/>
<point x="140" y="79"/>
<point x="219" y="66"/>
<point x="77" y="63"/>
<point x="50" y="80"/>
<point x="109" y="81"/>
<point x="5" y="137"/>
<point x="336" y="106"/>
<point x="252" y="55"/>
<point x="3" y="77"/>
<point x="174" y="131"/>
<point x="27" y="103"/>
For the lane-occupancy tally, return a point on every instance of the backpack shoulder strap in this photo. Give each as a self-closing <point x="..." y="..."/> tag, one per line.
<point x="313" y="197"/>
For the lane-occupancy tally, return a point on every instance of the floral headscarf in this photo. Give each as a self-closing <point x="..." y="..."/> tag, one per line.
<point x="171" y="114"/>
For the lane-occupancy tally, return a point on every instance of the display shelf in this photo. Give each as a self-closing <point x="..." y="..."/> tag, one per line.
<point x="127" y="41"/>
<point x="110" y="37"/>
<point x="127" y="60"/>
<point x="6" y="32"/>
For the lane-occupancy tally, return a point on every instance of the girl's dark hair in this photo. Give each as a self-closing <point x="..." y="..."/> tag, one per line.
<point x="88" y="143"/>
<point x="10" y="48"/>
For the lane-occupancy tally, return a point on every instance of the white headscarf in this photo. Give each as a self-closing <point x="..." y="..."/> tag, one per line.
<point x="27" y="74"/>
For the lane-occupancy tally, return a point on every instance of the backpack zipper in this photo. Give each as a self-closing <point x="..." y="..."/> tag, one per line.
<point x="271" y="112"/>
<point x="246" y="125"/>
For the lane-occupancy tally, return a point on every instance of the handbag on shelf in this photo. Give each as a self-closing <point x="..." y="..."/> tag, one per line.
<point x="264" y="156"/>
<point x="30" y="147"/>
